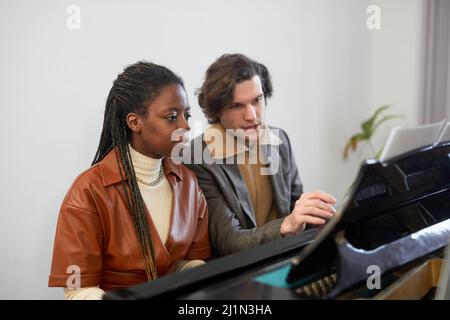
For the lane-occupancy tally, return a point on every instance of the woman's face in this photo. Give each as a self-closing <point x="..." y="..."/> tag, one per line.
<point x="151" y="133"/>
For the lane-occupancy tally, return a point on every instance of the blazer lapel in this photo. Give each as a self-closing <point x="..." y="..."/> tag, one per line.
<point x="233" y="173"/>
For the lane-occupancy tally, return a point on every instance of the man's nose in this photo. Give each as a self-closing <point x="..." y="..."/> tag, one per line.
<point x="250" y="113"/>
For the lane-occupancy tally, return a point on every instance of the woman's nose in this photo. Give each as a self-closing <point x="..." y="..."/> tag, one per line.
<point x="185" y="124"/>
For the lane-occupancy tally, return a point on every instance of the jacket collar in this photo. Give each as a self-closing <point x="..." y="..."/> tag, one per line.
<point x="110" y="171"/>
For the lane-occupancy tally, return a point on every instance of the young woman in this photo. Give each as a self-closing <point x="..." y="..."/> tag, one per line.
<point x="134" y="215"/>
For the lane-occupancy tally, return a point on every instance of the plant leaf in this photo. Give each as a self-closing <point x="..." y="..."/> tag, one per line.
<point x="367" y="126"/>
<point x="378" y="154"/>
<point x="352" y="143"/>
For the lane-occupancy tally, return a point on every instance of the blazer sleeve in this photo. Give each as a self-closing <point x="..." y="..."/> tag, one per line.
<point x="77" y="251"/>
<point x="226" y="233"/>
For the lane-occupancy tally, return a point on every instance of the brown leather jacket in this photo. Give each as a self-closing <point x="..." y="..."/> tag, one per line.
<point x="95" y="231"/>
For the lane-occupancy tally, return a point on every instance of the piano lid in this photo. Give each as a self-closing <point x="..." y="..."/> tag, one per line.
<point x="397" y="211"/>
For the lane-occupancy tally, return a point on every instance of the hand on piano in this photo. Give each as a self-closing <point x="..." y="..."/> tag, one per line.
<point x="313" y="208"/>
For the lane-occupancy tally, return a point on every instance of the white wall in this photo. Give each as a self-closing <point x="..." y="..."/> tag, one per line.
<point x="329" y="71"/>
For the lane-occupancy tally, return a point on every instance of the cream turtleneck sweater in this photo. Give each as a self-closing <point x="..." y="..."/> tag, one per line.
<point x="158" y="199"/>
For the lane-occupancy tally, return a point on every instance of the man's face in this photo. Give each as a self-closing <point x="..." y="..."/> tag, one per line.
<point x="246" y="110"/>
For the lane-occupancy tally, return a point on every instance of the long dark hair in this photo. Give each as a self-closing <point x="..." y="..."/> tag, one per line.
<point x="133" y="90"/>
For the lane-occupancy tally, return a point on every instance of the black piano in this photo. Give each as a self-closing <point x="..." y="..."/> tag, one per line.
<point x="394" y="220"/>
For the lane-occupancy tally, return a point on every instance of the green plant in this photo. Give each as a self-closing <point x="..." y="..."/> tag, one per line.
<point x="368" y="130"/>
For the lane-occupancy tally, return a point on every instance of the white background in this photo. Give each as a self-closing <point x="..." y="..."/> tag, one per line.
<point x="329" y="71"/>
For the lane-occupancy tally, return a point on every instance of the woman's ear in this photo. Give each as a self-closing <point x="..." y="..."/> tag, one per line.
<point x="134" y="122"/>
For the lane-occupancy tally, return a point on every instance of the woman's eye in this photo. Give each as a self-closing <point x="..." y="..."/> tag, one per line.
<point x="172" y="117"/>
<point x="187" y="116"/>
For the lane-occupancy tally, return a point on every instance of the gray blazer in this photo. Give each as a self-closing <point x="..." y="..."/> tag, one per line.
<point x="232" y="224"/>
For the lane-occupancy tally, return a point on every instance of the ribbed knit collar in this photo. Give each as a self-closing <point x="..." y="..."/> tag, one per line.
<point x="145" y="167"/>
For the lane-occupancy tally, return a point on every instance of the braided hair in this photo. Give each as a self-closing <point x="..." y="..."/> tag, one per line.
<point x="133" y="90"/>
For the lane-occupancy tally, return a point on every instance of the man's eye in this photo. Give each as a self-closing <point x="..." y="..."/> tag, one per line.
<point x="235" y="106"/>
<point x="187" y="116"/>
<point x="259" y="99"/>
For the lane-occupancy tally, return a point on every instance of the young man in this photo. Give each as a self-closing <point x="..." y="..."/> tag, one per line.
<point x="247" y="169"/>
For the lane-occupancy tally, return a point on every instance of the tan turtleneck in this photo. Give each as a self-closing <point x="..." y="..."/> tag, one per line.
<point x="259" y="186"/>
<point x="260" y="192"/>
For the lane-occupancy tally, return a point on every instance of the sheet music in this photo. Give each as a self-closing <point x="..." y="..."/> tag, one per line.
<point x="402" y="140"/>
<point x="445" y="134"/>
